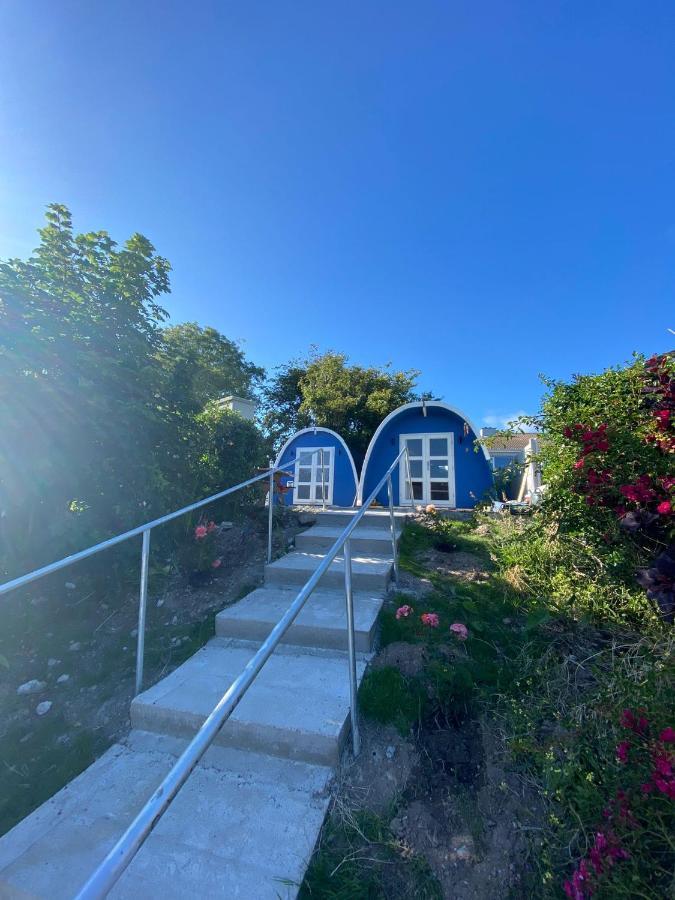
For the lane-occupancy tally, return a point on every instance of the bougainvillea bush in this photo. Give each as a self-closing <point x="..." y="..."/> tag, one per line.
<point x="603" y="542"/>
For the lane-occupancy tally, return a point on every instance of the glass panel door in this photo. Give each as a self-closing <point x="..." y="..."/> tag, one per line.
<point x="415" y="447"/>
<point x="431" y="469"/>
<point x="311" y="478"/>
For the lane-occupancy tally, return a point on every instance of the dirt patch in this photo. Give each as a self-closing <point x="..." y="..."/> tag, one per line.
<point x="458" y="564"/>
<point x="380" y="773"/>
<point x="412" y="586"/>
<point x="410" y="659"/>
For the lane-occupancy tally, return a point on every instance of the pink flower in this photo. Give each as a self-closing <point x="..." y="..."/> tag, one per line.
<point x="628" y="720"/>
<point x="460" y="630"/>
<point x="430" y="619"/>
<point x="579" y="464"/>
<point x="622" y="751"/>
<point x="216" y="564"/>
<point x="200" y="532"/>
<point x="665" y="508"/>
<point x="403" y="611"/>
<point x="211" y="527"/>
<point x="667" y="735"/>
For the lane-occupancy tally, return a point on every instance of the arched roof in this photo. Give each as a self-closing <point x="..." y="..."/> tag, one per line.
<point x="416" y="404"/>
<point x="313" y="430"/>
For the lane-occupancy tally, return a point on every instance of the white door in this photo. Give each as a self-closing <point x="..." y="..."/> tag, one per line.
<point x="308" y="481"/>
<point x="432" y="469"/>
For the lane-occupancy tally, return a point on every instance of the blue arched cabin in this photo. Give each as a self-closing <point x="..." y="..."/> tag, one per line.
<point x="446" y="468"/>
<point x="301" y="453"/>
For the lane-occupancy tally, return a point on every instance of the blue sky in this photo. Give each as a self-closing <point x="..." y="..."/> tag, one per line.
<point x="479" y="191"/>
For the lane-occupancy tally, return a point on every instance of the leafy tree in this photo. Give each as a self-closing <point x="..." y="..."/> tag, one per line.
<point x="103" y="422"/>
<point x="325" y="390"/>
<point x="200" y="365"/>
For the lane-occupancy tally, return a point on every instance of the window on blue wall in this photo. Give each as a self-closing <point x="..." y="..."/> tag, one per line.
<point x="503" y="460"/>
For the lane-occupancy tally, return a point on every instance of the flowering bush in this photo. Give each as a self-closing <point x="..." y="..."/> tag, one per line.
<point x="200" y="552"/>
<point x="649" y="758"/>
<point x="603" y="542"/>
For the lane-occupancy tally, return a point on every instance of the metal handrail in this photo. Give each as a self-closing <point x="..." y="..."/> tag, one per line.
<point x="145" y="557"/>
<point x="111" y="868"/>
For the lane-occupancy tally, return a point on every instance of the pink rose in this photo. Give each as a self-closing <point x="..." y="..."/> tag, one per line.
<point x="403" y="611"/>
<point x="200" y="532"/>
<point x="216" y="564"/>
<point x="460" y="630"/>
<point x="430" y="619"/>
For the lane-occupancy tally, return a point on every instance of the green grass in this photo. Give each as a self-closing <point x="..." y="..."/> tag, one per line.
<point x="358" y="858"/>
<point x="553" y="683"/>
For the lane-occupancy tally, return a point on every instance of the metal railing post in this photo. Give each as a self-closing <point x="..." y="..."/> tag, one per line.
<point x="323" y="482"/>
<point x="142" y="607"/>
<point x="349" y="598"/>
<point x="270" y="517"/>
<point x="392" y="523"/>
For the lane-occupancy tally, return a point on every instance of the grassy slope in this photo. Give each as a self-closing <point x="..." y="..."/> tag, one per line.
<point x="554" y="688"/>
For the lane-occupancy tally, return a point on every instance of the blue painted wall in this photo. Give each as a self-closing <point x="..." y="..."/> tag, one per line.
<point x="344" y="486"/>
<point x="473" y="474"/>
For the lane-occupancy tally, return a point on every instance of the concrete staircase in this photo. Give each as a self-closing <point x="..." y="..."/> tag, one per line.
<point x="246" y="822"/>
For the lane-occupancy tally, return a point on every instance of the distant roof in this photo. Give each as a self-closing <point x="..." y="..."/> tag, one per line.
<point x="515" y="443"/>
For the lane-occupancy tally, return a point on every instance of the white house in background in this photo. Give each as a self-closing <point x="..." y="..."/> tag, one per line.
<point x="242" y="405"/>
<point x="519" y="451"/>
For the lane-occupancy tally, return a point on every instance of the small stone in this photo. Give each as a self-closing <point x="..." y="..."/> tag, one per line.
<point x="174" y="621"/>
<point x="134" y="632"/>
<point x="43" y="708"/>
<point x="506" y="621"/>
<point x="160" y="603"/>
<point x="390" y="751"/>
<point x="31" y="687"/>
<point x="125" y="648"/>
<point x="225" y="526"/>
<point x="70" y="585"/>
<point x="62" y="679"/>
<point x="75" y="646"/>
<point x="51" y="662"/>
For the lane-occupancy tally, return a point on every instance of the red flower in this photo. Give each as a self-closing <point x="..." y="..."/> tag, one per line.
<point x="667" y="735"/>
<point x="622" y="751"/>
<point x="579" y="464"/>
<point x="628" y="720"/>
<point x="211" y="527"/>
<point x="430" y="619"/>
<point x="665" y="508"/>
<point x="200" y="532"/>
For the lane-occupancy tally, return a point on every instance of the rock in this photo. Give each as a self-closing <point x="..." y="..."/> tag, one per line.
<point x="174" y="621"/>
<point x="51" y="662"/>
<point x="306" y="519"/>
<point x="225" y="526"/>
<point x="70" y="585"/>
<point x="43" y="708"/>
<point x="62" y="679"/>
<point x="160" y="603"/>
<point x="31" y="687"/>
<point x="75" y="646"/>
<point x="390" y="751"/>
<point x="134" y="632"/>
<point x="462" y="847"/>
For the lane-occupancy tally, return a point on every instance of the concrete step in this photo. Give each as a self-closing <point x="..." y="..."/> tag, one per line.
<point x="374" y="518"/>
<point x="364" y="541"/>
<point x="297" y="707"/>
<point x="243" y="826"/>
<point x="322" y="623"/>
<point x="369" y="573"/>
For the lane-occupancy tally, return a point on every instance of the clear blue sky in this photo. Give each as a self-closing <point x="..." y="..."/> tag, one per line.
<point x="483" y="191"/>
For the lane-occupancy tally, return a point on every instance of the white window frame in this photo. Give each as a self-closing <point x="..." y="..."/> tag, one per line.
<point x="329" y="463"/>
<point x="451" y="502"/>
